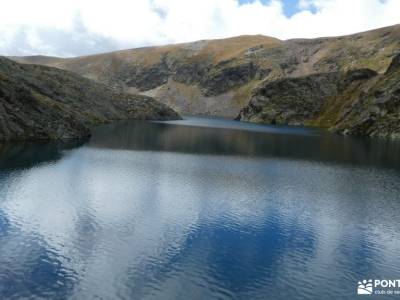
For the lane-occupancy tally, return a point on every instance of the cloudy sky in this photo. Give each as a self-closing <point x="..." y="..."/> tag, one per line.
<point x="79" y="27"/>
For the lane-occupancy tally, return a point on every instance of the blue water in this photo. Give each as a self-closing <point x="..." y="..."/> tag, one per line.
<point x="198" y="209"/>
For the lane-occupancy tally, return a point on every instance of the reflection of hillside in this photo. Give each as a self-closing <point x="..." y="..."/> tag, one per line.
<point x="26" y="154"/>
<point x="221" y="141"/>
<point x="101" y="222"/>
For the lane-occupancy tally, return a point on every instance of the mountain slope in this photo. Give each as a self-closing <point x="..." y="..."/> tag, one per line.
<point x="357" y="102"/>
<point x="216" y="77"/>
<point x="375" y="112"/>
<point x="38" y="102"/>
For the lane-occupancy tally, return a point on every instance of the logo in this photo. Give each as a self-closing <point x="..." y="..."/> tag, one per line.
<point x="378" y="287"/>
<point x="365" y="287"/>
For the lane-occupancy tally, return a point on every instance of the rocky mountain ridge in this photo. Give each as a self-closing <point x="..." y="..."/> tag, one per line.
<point x="221" y="77"/>
<point x="357" y="102"/>
<point x="38" y="102"/>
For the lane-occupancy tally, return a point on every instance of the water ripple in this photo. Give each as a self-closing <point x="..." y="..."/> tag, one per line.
<point x="119" y="221"/>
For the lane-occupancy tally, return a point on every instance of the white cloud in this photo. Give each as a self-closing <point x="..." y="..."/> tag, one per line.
<point x="76" y="27"/>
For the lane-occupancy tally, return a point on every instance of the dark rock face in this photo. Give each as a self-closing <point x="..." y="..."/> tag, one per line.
<point x="213" y="80"/>
<point x="395" y="65"/>
<point x="189" y="73"/>
<point x="290" y="100"/>
<point x="358" y="102"/>
<point x="377" y="111"/>
<point x="227" y="78"/>
<point x="39" y="102"/>
<point x="360" y="74"/>
<point x="147" y="78"/>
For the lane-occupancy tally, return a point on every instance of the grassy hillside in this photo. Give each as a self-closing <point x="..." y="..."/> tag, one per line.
<point x="38" y="102"/>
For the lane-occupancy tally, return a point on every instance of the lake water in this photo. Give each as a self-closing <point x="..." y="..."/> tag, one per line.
<point x="198" y="209"/>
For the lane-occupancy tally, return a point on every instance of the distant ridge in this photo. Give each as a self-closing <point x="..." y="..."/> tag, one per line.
<point x="219" y="77"/>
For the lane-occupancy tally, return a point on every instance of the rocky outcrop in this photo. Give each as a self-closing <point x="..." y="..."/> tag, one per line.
<point x="227" y="78"/>
<point x="376" y="112"/>
<point x="290" y="101"/>
<point x="38" y="102"/>
<point x="394" y="65"/>
<point x="298" y="101"/>
<point x="358" y="102"/>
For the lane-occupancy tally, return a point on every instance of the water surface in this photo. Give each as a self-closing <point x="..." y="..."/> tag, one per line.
<point x="198" y="209"/>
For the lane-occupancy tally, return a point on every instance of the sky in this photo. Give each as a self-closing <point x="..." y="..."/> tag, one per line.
<point x="80" y="27"/>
